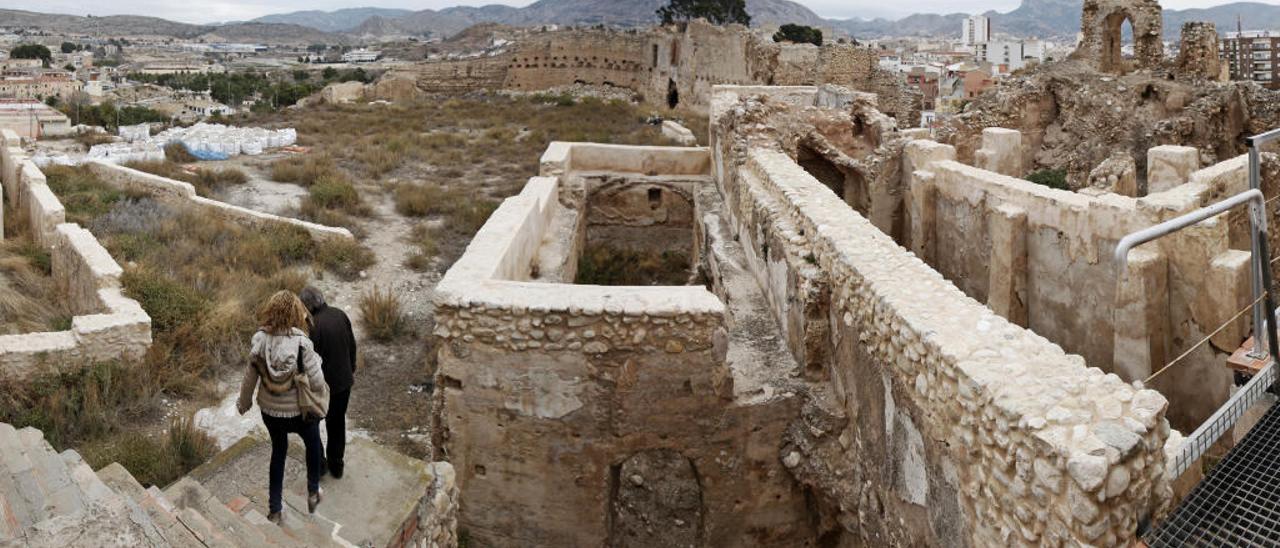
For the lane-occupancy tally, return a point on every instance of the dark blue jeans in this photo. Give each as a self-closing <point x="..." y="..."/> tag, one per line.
<point x="279" y="429"/>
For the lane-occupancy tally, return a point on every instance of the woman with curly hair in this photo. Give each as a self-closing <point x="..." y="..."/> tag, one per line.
<point x="279" y="349"/>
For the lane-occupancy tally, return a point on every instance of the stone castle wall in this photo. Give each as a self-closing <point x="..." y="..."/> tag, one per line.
<point x="955" y="425"/>
<point x="655" y="62"/>
<point x="106" y="325"/>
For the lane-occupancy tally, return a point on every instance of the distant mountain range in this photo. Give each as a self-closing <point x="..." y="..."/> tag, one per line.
<point x="449" y="21"/>
<point x="134" y="25"/>
<point x="1042" y="18"/>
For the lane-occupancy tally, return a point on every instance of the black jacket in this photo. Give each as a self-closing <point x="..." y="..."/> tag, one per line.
<point x="336" y="344"/>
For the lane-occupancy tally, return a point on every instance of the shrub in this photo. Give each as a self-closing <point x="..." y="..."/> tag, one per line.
<point x="81" y="193"/>
<point x="178" y="153"/>
<point x="1052" y="178"/>
<point x="207" y="181"/>
<point x="30" y="300"/>
<point x="169" y="303"/>
<point x="425" y="241"/>
<point x="77" y="402"/>
<point x="607" y="265"/>
<point x="428" y="199"/>
<point x="346" y="258"/>
<point x="381" y="315"/>
<point x="156" y="461"/>
<point x="334" y="192"/>
<point x="302" y="170"/>
<point x="91" y="138"/>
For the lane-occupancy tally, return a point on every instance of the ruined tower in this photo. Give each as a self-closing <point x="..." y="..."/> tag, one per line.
<point x="1102" y="25"/>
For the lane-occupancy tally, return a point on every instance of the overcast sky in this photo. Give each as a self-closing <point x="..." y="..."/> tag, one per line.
<point x="206" y="11"/>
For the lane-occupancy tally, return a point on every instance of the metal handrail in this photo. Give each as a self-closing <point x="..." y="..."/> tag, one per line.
<point x="1264" y="309"/>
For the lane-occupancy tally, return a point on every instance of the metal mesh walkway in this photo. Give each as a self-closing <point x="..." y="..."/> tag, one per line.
<point x="1238" y="504"/>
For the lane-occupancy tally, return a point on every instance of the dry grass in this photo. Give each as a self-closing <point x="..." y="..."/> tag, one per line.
<point x="607" y="265"/>
<point x="382" y="315"/>
<point x="91" y="138"/>
<point x="94" y="408"/>
<point x="30" y="301"/>
<point x="450" y="160"/>
<point x="302" y="170"/>
<point x="208" y="181"/>
<point x="200" y="278"/>
<point x="178" y="153"/>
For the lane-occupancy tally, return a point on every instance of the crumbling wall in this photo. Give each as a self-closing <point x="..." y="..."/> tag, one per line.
<point x="674" y="65"/>
<point x="1198" y="55"/>
<point x="106" y="325"/>
<point x="549" y="392"/>
<point x="460" y="76"/>
<point x="1101" y="24"/>
<point x="932" y="435"/>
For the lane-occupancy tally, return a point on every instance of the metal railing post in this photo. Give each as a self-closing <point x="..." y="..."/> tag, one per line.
<point x="1260" y="337"/>
<point x="1264" y="323"/>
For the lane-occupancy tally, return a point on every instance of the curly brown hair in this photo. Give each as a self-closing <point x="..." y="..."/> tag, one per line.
<point x="282" y="312"/>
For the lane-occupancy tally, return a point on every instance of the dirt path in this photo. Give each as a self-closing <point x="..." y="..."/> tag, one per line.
<point x="391" y="400"/>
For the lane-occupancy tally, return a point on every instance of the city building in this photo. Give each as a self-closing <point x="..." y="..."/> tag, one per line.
<point x="960" y="83"/>
<point x="925" y="78"/>
<point x="181" y="68"/>
<point x="1010" y="54"/>
<point x="1253" y="55"/>
<point x="37" y="84"/>
<point x="361" y="56"/>
<point x="32" y="119"/>
<point x="977" y="30"/>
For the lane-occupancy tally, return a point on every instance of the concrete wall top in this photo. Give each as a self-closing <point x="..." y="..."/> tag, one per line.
<point x="494" y="271"/>
<point x="645" y="160"/>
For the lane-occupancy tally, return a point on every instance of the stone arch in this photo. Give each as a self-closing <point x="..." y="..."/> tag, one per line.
<point x="1102" y="23"/>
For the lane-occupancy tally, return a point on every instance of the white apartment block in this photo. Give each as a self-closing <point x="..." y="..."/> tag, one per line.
<point x="977" y="30"/>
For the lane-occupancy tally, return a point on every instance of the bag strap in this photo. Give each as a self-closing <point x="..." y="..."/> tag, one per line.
<point x="301" y="371"/>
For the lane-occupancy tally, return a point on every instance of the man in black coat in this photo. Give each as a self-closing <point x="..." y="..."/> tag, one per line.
<point x="335" y="342"/>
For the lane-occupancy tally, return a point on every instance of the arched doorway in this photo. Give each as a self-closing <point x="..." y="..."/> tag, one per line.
<point x="656" y="500"/>
<point x="673" y="94"/>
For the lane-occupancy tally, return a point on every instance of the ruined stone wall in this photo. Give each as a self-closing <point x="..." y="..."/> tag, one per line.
<point x="183" y="194"/>
<point x="946" y="424"/>
<point x="106" y="325"/>
<point x="663" y="64"/>
<point x="561" y="406"/>
<point x="618" y="58"/>
<point x="1198" y="55"/>
<point x="1102" y="22"/>
<point x="463" y="75"/>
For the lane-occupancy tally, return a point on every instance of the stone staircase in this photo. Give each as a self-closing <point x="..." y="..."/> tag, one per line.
<point x="50" y="499"/>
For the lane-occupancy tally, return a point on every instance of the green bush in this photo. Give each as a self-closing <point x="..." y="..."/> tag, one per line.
<point x="333" y="192"/>
<point x="156" y="461"/>
<point x="347" y="258"/>
<point x="1052" y="178"/>
<point x="169" y="303"/>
